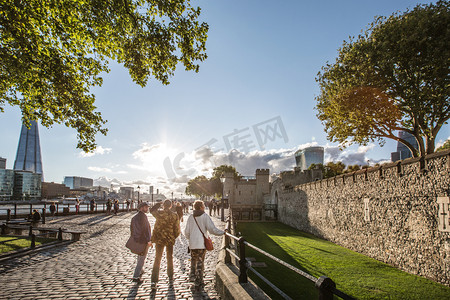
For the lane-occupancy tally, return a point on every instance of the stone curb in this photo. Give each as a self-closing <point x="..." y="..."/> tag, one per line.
<point x="227" y="282"/>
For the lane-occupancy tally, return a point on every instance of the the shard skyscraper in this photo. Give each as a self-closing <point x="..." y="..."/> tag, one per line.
<point x="28" y="157"/>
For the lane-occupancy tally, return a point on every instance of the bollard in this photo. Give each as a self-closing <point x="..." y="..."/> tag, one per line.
<point x="31" y="208"/>
<point x="15" y="210"/>
<point x="8" y="215"/>
<point x="30" y="233"/>
<point x="60" y="234"/>
<point x="323" y="284"/>
<point x="43" y="215"/>
<point x="57" y="209"/>
<point x="242" y="261"/>
<point x="33" y="241"/>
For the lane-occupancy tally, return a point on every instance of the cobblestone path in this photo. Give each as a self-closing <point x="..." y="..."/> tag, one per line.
<point x="99" y="266"/>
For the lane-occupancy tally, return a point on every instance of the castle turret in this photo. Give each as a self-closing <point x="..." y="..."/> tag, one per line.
<point x="262" y="185"/>
<point x="228" y="187"/>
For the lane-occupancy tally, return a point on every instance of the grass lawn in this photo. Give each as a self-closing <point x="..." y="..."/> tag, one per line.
<point x="19" y="244"/>
<point x="355" y="274"/>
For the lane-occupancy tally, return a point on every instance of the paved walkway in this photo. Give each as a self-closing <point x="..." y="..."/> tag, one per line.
<point x="99" y="266"/>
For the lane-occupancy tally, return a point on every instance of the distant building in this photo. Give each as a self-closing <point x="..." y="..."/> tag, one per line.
<point x="54" y="190"/>
<point x="307" y="156"/>
<point x="27" y="185"/>
<point x="403" y="152"/>
<point x="75" y="182"/>
<point x="6" y="184"/>
<point x="126" y="192"/>
<point x="28" y="157"/>
<point x="2" y="163"/>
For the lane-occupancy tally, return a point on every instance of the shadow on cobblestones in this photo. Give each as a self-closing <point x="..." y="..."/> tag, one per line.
<point x="96" y="219"/>
<point x="100" y="267"/>
<point x="40" y="257"/>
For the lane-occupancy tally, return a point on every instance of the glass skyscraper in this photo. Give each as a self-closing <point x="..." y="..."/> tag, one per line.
<point x="6" y="184"/>
<point x="28" y="157"/>
<point x="27" y="185"/>
<point x="403" y="152"/>
<point x="311" y="155"/>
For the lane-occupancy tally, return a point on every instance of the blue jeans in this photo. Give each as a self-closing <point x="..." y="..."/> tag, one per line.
<point x="140" y="264"/>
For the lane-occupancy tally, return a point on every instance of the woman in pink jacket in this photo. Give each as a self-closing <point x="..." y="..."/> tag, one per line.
<point x="197" y="223"/>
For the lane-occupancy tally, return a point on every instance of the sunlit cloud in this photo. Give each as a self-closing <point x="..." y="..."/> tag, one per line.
<point x="100" y="170"/>
<point x="169" y="170"/>
<point x="106" y="170"/>
<point x="98" y="151"/>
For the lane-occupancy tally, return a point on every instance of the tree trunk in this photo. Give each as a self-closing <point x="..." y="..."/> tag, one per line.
<point x="430" y="144"/>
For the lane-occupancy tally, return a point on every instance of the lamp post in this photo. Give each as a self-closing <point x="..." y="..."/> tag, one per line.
<point x="139" y="188"/>
<point x="222" y="206"/>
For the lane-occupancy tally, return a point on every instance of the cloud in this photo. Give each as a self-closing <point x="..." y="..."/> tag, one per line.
<point x="351" y="156"/>
<point x="98" y="151"/>
<point x="98" y="169"/>
<point x="169" y="170"/>
<point x="106" y="170"/>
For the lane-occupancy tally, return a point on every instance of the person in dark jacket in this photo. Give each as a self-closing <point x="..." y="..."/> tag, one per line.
<point x="141" y="233"/>
<point x="179" y="210"/>
<point x="167" y="229"/>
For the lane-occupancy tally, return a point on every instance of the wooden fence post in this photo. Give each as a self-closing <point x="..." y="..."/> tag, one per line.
<point x="60" y="234"/>
<point x="33" y="241"/>
<point x="242" y="261"/>
<point x="323" y="284"/>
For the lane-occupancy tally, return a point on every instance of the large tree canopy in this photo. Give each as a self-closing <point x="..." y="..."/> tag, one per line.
<point x="394" y="76"/>
<point x="52" y="53"/>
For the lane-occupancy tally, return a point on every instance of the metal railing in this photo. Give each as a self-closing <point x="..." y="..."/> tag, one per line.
<point x="16" y="210"/>
<point x="325" y="286"/>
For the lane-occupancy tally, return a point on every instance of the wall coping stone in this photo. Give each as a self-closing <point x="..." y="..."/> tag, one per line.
<point x="385" y="166"/>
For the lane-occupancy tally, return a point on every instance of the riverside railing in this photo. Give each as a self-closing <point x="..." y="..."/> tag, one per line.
<point x="15" y="210"/>
<point x="326" y="286"/>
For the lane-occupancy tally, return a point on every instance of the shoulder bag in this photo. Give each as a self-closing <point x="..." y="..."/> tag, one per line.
<point x="208" y="242"/>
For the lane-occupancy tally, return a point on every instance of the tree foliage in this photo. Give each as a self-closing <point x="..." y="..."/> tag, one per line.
<point x="392" y="77"/>
<point x="202" y="186"/>
<point x="53" y="52"/>
<point x="329" y="170"/>
<point x="445" y="146"/>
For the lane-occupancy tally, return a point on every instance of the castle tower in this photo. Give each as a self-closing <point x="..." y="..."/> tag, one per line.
<point x="28" y="157"/>
<point x="228" y="187"/>
<point x="262" y="185"/>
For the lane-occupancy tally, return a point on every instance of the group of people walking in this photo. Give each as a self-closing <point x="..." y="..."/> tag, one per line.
<point x="165" y="232"/>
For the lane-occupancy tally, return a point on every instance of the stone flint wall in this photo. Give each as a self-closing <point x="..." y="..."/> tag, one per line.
<point x="389" y="213"/>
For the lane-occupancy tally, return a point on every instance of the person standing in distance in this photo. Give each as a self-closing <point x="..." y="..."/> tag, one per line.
<point x="167" y="229"/>
<point x="141" y="233"/>
<point x="196" y="242"/>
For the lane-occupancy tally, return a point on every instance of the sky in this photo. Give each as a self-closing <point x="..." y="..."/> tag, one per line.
<point x="251" y="105"/>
